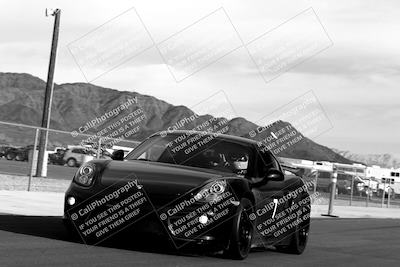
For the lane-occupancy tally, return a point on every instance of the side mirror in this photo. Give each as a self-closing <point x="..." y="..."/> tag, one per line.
<point x="274" y="175"/>
<point x="271" y="175"/>
<point x="118" y="155"/>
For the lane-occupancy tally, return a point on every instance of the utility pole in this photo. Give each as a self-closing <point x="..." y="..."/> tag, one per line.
<point x="48" y="94"/>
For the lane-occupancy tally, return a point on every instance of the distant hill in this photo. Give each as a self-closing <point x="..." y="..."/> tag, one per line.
<point x="383" y="160"/>
<point x="74" y="104"/>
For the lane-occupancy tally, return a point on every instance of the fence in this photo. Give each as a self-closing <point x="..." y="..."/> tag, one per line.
<point x="17" y="166"/>
<point x="354" y="191"/>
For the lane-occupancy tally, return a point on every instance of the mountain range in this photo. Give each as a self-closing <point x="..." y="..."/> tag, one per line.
<point x="383" y="160"/>
<point x="74" y="104"/>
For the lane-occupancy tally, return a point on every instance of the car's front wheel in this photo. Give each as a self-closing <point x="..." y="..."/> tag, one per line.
<point x="242" y="232"/>
<point x="71" y="162"/>
<point x="299" y="238"/>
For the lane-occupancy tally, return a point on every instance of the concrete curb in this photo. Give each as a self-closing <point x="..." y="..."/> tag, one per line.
<point x="20" y="183"/>
<point x="356" y="212"/>
<point x="31" y="203"/>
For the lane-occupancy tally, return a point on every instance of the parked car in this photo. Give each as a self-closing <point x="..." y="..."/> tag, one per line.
<point x="18" y="153"/>
<point x="178" y="185"/>
<point x="75" y="156"/>
<point x="10" y="153"/>
<point x="57" y="158"/>
<point x="4" y="150"/>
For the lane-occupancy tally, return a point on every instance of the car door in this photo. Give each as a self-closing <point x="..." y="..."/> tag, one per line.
<point x="271" y="204"/>
<point x="78" y="155"/>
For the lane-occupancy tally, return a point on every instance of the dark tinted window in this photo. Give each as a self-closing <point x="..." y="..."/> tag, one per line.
<point x="265" y="161"/>
<point x="201" y="152"/>
<point x="76" y="150"/>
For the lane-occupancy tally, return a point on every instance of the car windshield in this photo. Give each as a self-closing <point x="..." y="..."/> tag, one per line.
<point x="195" y="151"/>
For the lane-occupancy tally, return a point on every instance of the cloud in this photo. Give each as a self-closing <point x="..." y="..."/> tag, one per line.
<point x="356" y="79"/>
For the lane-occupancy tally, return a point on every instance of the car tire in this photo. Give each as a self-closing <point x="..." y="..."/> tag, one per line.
<point x="242" y="232"/>
<point x="10" y="156"/>
<point x="19" y="157"/>
<point x="71" y="162"/>
<point x="299" y="238"/>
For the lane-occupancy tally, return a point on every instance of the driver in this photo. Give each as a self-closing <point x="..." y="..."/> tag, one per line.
<point x="238" y="162"/>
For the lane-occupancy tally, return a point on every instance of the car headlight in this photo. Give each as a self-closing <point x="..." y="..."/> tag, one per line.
<point x="85" y="174"/>
<point x="211" y="192"/>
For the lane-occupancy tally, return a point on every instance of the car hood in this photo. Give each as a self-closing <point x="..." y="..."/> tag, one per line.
<point x="162" y="182"/>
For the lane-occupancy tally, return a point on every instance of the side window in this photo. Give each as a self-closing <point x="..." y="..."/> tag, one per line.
<point x="78" y="150"/>
<point x="276" y="164"/>
<point x="265" y="161"/>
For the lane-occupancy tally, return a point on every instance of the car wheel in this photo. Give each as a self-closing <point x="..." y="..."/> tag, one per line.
<point x="299" y="238"/>
<point x="242" y="232"/>
<point x="10" y="156"/>
<point x="71" y="162"/>
<point x="19" y="157"/>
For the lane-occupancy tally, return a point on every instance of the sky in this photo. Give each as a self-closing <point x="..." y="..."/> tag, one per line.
<point x="355" y="77"/>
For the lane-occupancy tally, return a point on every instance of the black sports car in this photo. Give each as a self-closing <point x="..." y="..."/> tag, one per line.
<point x="224" y="192"/>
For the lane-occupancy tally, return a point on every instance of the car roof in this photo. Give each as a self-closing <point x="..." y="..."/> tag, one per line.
<point x="226" y="137"/>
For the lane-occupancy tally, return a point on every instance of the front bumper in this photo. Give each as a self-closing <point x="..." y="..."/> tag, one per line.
<point x="213" y="236"/>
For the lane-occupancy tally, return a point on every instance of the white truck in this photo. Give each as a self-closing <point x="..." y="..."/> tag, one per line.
<point x="389" y="180"/>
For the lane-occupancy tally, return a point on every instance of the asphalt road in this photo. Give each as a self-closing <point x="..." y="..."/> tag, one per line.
<point x="23" y="168"/>
<point x="42" y="241"/>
